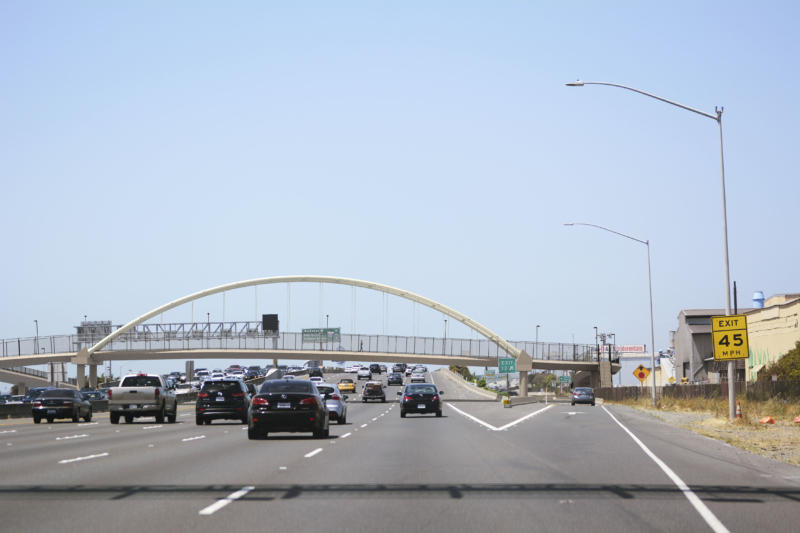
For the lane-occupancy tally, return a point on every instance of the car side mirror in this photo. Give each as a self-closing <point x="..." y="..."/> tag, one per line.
<point x="344" y="397"/>
<point x="398" y="393"/>
<point x="441" y="392"/>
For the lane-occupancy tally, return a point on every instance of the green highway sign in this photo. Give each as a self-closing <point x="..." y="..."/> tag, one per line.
<point x="321" y="335"/>
<point x="564" y="379"/>
<point x="507" y="365"/>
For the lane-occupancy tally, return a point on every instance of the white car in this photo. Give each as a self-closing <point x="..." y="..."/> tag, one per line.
<point x="217" y="375"/>
<point x="350" y="370"/>
<point x="316" y="380"/>
<point x="364" y="373"/>
<point x="409" y="371"/>
<point x="236" y="374"/>
<point x="417" y="376"/>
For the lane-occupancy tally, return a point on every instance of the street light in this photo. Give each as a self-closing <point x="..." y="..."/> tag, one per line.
<point x="718" y="118"/>
<point x="650" y="287"/>
<point x="36" y="344"/>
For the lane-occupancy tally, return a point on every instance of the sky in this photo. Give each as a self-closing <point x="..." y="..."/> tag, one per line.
<point x="152" y="150"/>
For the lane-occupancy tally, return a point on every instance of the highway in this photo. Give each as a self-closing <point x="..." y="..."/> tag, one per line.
<point x="480" y="467"/>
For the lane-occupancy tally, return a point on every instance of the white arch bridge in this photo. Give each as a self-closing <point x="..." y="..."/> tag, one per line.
<point x="129" y="343"/>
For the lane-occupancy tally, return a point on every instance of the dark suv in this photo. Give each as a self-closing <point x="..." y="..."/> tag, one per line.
<point x="375" y="369"/>
<point x="227" y="399"/>
<point x="399" y="368"/>
<point x="315" y="371"/>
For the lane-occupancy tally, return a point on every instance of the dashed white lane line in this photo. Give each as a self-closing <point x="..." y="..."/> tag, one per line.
<point x="710" y="518"/>
<point x="374" y="419"/>
<point x="501" y="428"/>
<point x="65" y="461"/>
<point x="152" y="427"/>
<point x="8" y="431"/>
<point x="312" y="454"/>
<point x="72" y="437"/>
<point x="345" y="435"/>
<point x="193" y="438"/>
<point x="363" y="425"/>
<point x="219" y="504"/>
<point x="88" y="424"/>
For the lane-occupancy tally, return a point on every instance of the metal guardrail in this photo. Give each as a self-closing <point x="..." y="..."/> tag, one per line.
<point x="224" y="339"/>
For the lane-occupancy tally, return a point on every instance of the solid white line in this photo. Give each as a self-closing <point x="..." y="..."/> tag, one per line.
<point x="345" y="435"/>
<point x="214" y="507"/>
<point x="312" y="454"/>
<point x="479" y="421"/>
<point x="193" y="438"/>
<point x="65" y="461"/>
<point x="698" y="504"/>
<point x="72" y="437"/>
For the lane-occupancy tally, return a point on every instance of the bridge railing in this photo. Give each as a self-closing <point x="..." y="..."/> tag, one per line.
<point x="199" y="340"/>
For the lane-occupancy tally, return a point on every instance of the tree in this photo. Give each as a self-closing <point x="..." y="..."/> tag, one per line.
<point x="463" y="371"/>
<point x="786" y="367"/>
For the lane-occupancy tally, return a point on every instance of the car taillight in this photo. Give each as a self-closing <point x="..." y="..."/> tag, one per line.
<point x="37" y="404"/>
<point x="238" y="395"/>
<point x="110" y="394"/>
<point x="574" y="393"/>
<point x="435" y="398"/>
<point x="66" y="403"/>
<point x="260" y="401"/>
<point x="309" y="401"/>
<point x="202" y="395"/>
<point x="158" y="393"/>
<point x="407" y="398"/>
<point x="336" y="397"/>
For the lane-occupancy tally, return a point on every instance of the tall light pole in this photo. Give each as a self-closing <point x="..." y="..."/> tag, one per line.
<point x="537" y="338"/>
<point x="718" y="118"/>
<point x="650" y="288"/>
<point x="36" y="344"/>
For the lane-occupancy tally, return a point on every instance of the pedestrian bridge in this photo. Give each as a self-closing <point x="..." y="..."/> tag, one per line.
<point x="138" y="340"/>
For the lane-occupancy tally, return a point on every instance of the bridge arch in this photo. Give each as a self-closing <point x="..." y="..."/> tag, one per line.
<point x="483" y="330"/>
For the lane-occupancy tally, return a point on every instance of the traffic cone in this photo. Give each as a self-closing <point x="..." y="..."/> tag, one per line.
<point x="797" y="420"/>
<point x="767" y="420"/>
<point x="738" y="410"/>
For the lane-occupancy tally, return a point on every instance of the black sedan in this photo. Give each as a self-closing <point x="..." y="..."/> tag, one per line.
<point x="226" y="399"/>
<point x="288" y="405"/>
<point x="421" y="399"/>
<point x="395" y="378"/>
<point x="582" y="395"/>
<point x="61" y="403"/>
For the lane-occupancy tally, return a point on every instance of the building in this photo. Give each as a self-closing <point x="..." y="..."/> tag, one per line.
<point x="772" y="330"/>
<point x="694" y="352"/>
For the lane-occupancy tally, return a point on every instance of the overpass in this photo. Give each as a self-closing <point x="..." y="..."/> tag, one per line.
<point x="135" y="341"/>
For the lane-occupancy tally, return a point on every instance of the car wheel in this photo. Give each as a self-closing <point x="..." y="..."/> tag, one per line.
<point x="244" y="419"/>
<point x="88" y="417"/>
<point x="199" y="420"/>
<point x="573" y="403"/>
<point x="50" y="420"/>
<point x="207" y="421"/>
<point x="318" y="433"/>
<point x="383" y="400"/>
<point x="160" y="416"/>
<point x="76" y="416"/>
<point x="438" y="414"/>
<point x="363" y="400"/>
<point x="114" y="418"/>
<point x="174" y="416"/>
<point x="253" y="434"/>
<point x="592" y="404"/>
<point x="37" y="419"/>
<point x="129" y="419"/>
<point x="402" y="414"/>
<point x="327" y="432"/>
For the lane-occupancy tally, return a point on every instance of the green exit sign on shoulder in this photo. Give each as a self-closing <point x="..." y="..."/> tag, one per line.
<point x="507" y="365"/>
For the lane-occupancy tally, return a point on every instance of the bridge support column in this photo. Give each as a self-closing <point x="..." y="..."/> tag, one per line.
<point x="92" y="376"/>
<point x="81" y="376"/>
<point x="523" y="383"/>
<point x="22" y="388"/>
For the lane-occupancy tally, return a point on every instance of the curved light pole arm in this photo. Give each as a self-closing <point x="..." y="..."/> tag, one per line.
<point x="611" y="230"/>
<point x="718" y="118"/>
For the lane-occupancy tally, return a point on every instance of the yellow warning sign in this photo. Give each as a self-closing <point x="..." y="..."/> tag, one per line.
<point x="729" y="336"/>
<point x="641" y="373"/>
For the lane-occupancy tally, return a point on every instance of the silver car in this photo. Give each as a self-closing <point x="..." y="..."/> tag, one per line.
<point x="334" y="400"/>
<point x="417" y="376"/>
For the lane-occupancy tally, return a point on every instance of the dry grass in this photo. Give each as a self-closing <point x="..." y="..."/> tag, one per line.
<point x="780" y="441"/>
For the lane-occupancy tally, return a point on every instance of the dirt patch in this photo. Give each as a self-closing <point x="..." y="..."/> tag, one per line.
<point x="779" y="441"/>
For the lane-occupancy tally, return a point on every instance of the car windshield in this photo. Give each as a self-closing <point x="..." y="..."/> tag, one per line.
<point x="422" y="390"/>
<point x="286" y="386"/>
<point x="140" y="381"/>
<point x="57" y="393"/>
<point x="217" y="386"/>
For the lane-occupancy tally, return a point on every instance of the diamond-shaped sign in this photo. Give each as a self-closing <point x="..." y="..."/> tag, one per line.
<point x="641" y="373"/>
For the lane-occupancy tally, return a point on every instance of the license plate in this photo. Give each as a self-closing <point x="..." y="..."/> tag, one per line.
<point x="51" y="411"/>
<point x="282" y="405"/>
<point x="132" y="406"/>
<point x="420" y="406"/>
<point x="220" y="399"/>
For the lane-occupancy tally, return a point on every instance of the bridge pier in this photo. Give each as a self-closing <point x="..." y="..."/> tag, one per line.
<point x="81" y="376"/>
<point x="92" y="377"/>
<point x="523" y="383"/>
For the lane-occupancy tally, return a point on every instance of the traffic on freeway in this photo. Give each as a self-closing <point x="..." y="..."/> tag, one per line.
<point x="429" y="452"/>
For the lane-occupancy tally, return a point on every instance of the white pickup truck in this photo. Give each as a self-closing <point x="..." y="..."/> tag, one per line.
<point x="141" y="395"/>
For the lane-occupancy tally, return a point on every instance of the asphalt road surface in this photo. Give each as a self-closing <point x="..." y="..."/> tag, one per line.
<point x="479" y="468"/>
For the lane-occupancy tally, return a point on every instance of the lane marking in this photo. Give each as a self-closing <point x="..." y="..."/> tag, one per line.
<point x="65" y="461"/>
<point x="8" y="431"/>
<point x="312" y="454"/>
<point x="153" y="427"/>
<point x="219" y="504"/>
<point x="501" y="428"/>
<point x="364" y="425"/>
<point x="88" y="424"/>
<point x="713" y="522"/>
<point x="374" y="419"/>
<point x="345" y="435"/>
<point x="72" y="437"/>
<point x="193" y="438"/>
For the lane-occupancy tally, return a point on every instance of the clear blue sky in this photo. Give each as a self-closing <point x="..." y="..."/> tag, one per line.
<point x="150" y="150"/>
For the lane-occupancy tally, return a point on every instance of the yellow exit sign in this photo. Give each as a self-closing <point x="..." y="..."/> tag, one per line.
<point x="729" y="336"/>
